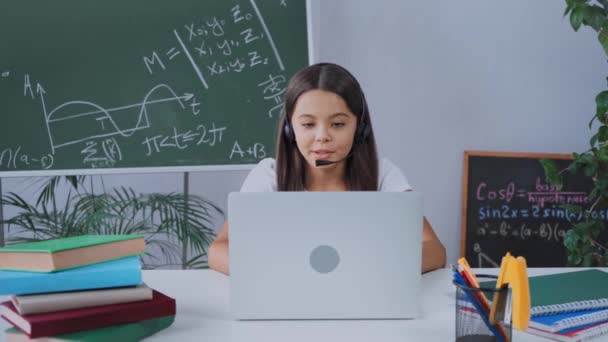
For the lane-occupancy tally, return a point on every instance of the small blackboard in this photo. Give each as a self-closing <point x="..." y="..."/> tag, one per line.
<point x="509" y="206"/>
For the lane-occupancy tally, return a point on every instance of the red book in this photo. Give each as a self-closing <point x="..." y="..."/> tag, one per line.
<point x="67" y="321"/>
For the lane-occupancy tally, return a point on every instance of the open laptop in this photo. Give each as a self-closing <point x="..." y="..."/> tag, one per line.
<point x="325" y="255"/>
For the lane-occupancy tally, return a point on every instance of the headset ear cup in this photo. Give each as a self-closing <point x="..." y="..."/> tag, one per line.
<point x="363" y="129"/>
<point x="366" y="131"/>
<point x="287" y="131"/>
<point x="362" y="132"/>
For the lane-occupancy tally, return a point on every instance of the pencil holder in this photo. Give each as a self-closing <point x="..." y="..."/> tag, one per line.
<point x="473" y="313"/>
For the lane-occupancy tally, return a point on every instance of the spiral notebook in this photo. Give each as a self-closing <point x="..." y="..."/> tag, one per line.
<point x="568" y="292"/>
<point x="566" y="320"/>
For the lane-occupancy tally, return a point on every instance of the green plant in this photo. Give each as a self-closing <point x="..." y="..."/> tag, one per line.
<point x="177" y="227"/>
<point x="581" y="241"/>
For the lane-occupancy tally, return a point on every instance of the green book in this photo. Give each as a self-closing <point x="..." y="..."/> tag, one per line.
<point x="62" y="244"/>
<point x="64" y="253"/>
<point x="571" y="291"/>
<point x="566" y="292"/>
<point x="124" y="332"/>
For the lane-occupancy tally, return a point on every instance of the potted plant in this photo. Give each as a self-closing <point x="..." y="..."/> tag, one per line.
<point x="581" y="242"/>
<point x="176" y="226"/>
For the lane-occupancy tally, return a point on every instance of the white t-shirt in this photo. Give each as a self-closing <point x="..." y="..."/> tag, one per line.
<point x="263" y="178"/>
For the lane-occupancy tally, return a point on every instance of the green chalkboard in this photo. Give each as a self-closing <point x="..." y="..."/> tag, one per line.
<point x="155" y="84"/>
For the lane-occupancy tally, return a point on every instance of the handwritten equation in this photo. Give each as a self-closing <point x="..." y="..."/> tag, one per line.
<point x="542" y="194"/>
<point x="523" y="231"/>
<point x="516" y="212"/>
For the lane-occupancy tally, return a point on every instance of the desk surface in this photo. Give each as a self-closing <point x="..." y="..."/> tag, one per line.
<point x="203" y="313"/>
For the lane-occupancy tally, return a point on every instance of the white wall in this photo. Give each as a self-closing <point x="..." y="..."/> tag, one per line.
<point x="442" y="77"/>
<point x="445" y="76"/>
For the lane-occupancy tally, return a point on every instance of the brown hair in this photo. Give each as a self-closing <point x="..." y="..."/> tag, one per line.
<point x="362" y="164"/>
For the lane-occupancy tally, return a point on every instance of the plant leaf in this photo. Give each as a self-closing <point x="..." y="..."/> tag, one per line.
<point x="587" y="260"/>
<point x="601" y="100"/>
<point x="595" y="17"/>
<point x="551" y="171"/>
<point x="575" y="209"/>
<point x="571" y="239"/>
<point x="593" y="139"/>
<point x="603" y="134"/>
<point x="576" y="17"/>
<point x="603" y="38"/>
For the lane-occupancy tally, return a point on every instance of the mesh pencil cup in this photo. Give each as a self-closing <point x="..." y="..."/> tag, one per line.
<point x="473" y="325"/>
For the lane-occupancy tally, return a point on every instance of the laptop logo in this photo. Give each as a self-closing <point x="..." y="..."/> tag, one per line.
<point x="324" y="259"/>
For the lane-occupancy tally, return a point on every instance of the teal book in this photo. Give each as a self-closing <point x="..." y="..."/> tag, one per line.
<point x="130" y="332"/>
<point x="65" y="253"/>
<point x="114" y="273"/>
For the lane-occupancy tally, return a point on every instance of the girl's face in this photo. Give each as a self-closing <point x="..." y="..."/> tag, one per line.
<point x="324" y="127"/>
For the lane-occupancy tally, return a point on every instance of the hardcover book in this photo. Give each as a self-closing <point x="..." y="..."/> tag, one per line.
<point x="65" y="253"/>
<point x="123" y="332"/>
<point x="68" y="321"/>
<point x="115" y="273"/>
<point x="51" y="302"/>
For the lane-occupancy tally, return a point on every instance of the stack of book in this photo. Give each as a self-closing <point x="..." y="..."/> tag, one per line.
<point x="83" y="288"/>
<point x="569" y="306"/>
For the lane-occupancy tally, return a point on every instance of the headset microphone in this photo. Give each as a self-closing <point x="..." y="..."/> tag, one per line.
<point x="323" y="162"/>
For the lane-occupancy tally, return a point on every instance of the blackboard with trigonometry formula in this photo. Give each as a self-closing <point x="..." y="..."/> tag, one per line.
<point x="508" y="206"/>
<point x="114" y="86"/>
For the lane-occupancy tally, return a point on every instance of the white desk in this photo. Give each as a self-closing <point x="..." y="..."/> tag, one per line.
<point x="203" y="314"/>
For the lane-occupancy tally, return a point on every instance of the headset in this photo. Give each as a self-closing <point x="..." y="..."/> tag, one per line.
<point x="362" y="132"/>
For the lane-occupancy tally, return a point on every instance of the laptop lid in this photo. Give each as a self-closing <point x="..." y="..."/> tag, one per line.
<point x="325" y="255"/>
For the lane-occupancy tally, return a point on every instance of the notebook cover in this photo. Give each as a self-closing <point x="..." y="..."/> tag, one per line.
<point x="115" y="273"/>
<point x="557" y="289"/>
<point x="63" y="322"/>
<point x="51" y="302"/>
<point x="62" y="244"/>
<point x="123" y="332"/>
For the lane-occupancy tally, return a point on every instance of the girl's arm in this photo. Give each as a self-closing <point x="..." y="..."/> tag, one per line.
<point x="218" y="251"/>
<point x="433" y="252"/>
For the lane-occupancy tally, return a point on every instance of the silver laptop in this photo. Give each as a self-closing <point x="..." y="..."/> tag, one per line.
<point x="325" y="255"/>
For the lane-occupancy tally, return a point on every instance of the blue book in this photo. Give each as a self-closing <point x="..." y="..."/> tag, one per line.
<point x="115" y="273"/>
<point x="566" y="320"/>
